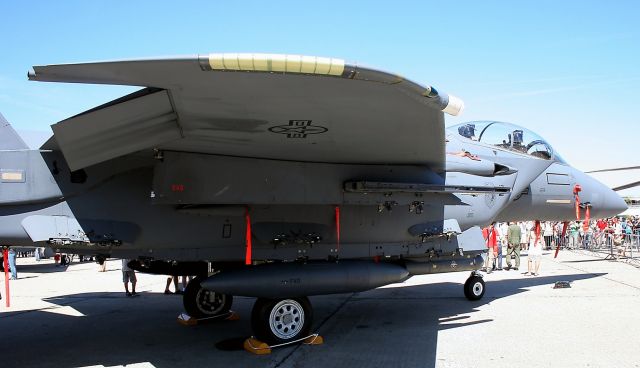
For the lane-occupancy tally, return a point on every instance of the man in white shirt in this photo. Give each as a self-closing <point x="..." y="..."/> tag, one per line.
<point x="502" y="236"/>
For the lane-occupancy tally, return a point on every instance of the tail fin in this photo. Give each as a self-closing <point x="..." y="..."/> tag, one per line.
<point x="9" y="139"/>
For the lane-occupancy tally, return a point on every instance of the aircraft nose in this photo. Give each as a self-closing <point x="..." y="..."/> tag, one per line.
<point x="605" y="202"/>
<point x="613" y="204"/>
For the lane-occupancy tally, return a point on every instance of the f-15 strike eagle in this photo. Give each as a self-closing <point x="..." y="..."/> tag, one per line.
<point x="278" y="177"/>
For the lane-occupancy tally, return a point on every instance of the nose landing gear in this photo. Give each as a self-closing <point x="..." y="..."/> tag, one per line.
<point x="474" y="287"/>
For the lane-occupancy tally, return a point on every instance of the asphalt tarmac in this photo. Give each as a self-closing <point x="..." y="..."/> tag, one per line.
<point x="77" y="317"/>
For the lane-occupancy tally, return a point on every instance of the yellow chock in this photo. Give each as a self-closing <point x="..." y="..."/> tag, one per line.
<point x="186" y="320"/>
<point x="256" y="346"/>
<point x="313" y="340"/>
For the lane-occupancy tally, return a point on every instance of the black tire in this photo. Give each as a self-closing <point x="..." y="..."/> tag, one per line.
<point x="474" y="288"/>
<point x="278" y="321"/>
<point x="200" y="303"/>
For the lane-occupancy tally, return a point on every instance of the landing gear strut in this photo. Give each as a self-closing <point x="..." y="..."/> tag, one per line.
<point x="200" y="303"/>
<point x="279" y="321"/>
<point x="474" y="286"/>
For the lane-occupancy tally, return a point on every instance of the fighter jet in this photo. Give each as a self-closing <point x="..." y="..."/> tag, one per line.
<point x="279" y="177"/>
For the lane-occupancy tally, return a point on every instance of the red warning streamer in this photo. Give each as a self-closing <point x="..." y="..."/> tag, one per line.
<point x="338" y="227"/>
<point x="587" y="218"/>
<point x="577" y="189"/>
<point x="247" y="219"/>
<point x="5" y="254"/>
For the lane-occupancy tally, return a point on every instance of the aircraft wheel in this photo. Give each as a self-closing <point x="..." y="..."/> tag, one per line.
<point x="278" y="321"/>
<point x="474" y="288"/>
<point x="199" y="302"/>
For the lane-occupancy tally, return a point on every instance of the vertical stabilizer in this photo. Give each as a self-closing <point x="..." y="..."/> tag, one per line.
<point x="9" y="139"/>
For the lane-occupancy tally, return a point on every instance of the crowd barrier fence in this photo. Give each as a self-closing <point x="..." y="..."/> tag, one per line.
<point x="611" y="246"/>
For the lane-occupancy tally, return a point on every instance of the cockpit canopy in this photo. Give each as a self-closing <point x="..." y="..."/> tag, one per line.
<point x="507" y="136"/>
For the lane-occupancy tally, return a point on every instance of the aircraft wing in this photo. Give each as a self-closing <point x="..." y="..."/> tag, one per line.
<point x="285" y="107"/>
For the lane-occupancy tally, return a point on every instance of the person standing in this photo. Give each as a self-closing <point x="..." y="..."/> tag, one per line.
<point x="185" y="281"/>
<point x="548" y="234"/>
<point x="535" y="253"/>
<point x="491" y="240"/>
<point x="128" y="275"/>
<point x="574" y="232"/>
<point x="12" y="264"/>
<point x="627" y="232"/>
<point x="525" y="231"/>
<point x="514" y="236"/>
<point x="557" y="234"/>
<point x="102" y="263"/>
<point x="502" y="234"/>
<point x="587" y="242"/>
<point x="175" y="285"/>
<point x="601" y="225"/>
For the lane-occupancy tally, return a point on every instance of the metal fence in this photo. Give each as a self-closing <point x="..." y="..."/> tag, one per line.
<point x="624" y="247"/>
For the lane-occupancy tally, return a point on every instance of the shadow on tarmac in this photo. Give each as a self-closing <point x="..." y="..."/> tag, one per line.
<point x="394" y="326"/>
<point x="44" y="268"/>
<point x="41" y="268"/>
<point x="589" y="260"/>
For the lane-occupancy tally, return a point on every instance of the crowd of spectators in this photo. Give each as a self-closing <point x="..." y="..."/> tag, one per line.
<point x="596" y="234"/>
<point x="614" y="234"/>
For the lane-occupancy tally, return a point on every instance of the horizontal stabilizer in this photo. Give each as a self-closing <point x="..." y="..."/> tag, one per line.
<point x="626" y="186"/>
<point x="613" y="169"/>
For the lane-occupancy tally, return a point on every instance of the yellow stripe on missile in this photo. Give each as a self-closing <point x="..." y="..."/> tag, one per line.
<point x="277" y="63"/>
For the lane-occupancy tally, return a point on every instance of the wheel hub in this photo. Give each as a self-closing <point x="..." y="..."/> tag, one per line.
<point x="286" y="319"/>
<point x="209" y="302"/>
<point x="477" y="288"/>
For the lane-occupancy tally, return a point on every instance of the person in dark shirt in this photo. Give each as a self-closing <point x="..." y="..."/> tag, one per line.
<point x="513" y="245"/>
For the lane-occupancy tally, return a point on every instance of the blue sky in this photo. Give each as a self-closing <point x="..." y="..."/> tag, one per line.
<point x="567" y="70"/>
